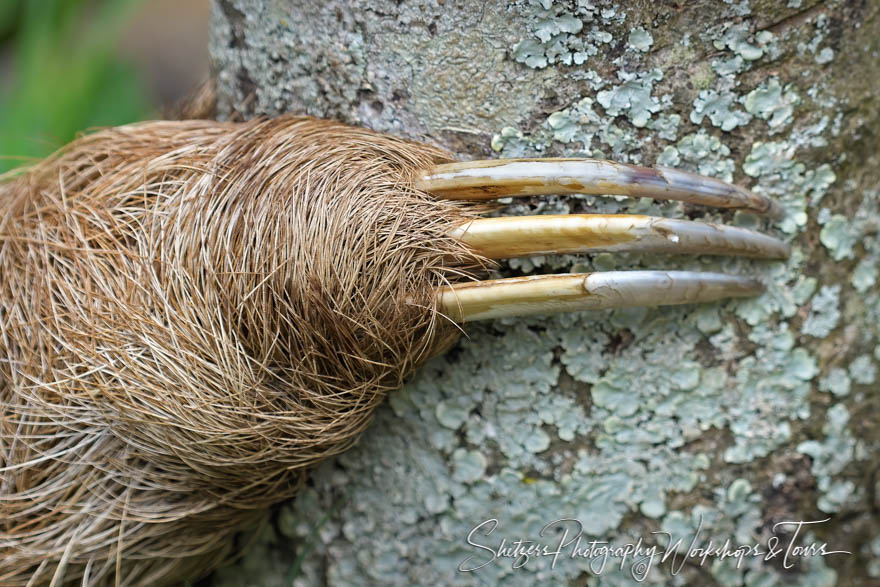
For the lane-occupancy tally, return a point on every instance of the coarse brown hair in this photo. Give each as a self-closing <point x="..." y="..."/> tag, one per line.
<point x="192" y="314"/>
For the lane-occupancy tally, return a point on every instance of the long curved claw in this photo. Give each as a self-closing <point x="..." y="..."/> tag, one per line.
<point x="498" y="238"/>
<point x="547" y="294"/>
<point x="482" y="180"/>
<point x="517" y="236"/>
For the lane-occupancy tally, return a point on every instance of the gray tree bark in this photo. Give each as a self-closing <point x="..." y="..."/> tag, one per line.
<point x="720" y="421"/>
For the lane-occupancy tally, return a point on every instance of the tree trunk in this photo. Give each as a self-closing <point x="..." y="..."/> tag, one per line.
<point x="723" y="419"/>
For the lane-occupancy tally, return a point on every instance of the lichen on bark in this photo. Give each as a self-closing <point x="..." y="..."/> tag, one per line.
<point x="730" y="417"/>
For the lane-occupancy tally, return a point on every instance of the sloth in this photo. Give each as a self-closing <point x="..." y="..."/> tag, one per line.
<point x="195" y="313"/>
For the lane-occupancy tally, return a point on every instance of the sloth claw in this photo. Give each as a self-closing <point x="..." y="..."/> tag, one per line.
<point x="505" y="237"/>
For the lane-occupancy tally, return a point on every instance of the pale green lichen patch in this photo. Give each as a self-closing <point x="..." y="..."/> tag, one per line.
<point x="838" y="237"/>
<point x="665" y="126"/>
<point x="837" y="382"/>
<point x="450" y="414"/>
<point x="730" y="66"/>
<point x="826" y="55"/>
<point x="640" y="39"/>
<point x="824" y="313"/>
<point x="579" y="123"/>
<point x="788" y="290"/>
<point x="822" y="28"/>
<point x="738" y="39"/>
<point x="702" y="153"/>
<point x="468" y="465"/>
<point x="586" y="132"/>
<point x="718" y="100"/>
<point x="779" y="375"/>
<point x="770" y="102"/>
<point x="788" y="180"/>
<point x="721" y="109"/>
<point x="559" y="34"/>
<point x="633" y="97"/>
<point x="830" y="457"/>
<point x="500" y="139"/>
<point x="817" y="181"/>
<point x="864" y="276"/>
<point x="863" y="370"/>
